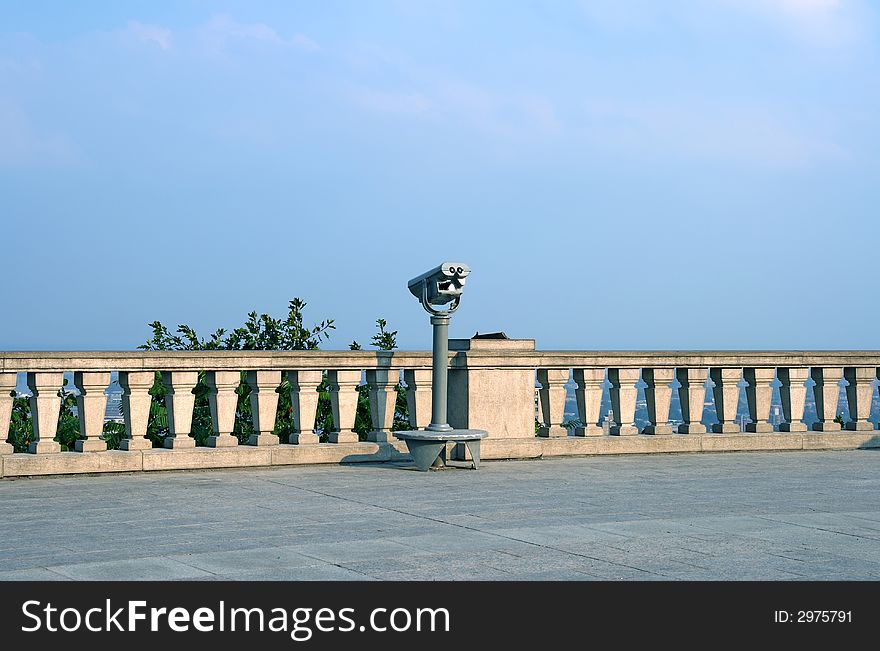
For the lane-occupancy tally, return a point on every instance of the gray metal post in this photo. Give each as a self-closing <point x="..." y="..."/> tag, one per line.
<point x="438" y="381"/>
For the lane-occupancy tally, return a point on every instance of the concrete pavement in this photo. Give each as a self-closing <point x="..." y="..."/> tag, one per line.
<point x="800" y="515"/>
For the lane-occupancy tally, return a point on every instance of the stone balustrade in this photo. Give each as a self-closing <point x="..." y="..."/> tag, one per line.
<point x="730" y="373"/>
<point x="492" y="386"/>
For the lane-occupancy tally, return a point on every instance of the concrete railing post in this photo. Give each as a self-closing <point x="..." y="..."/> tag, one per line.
<point x="827" y="394"/>
<point x="759" y="393"/>
<point x="45" y="405"/>
<point x="692" y="395"/>
<point x="658" y="396"/>
<point x="7" y="386"/>
<point x="343" y="403"/>
<point x="179" y="403"/>
<point x="136" y="400"/>
<point x="383" y="399"/>
<point x="859" y="395"/>
<point x="793" y="394"/>
<point x="418" y="397"/>
<point x="623" y="400"/>
<point x="264" y="406"/>
<point x="588" y="395"/>
<point x="726" y="395"/>
<point x="552" y="399"/>
<point x="304" y="402"/>
<point x="91" y="405"/>
<point x="223" y="403"/>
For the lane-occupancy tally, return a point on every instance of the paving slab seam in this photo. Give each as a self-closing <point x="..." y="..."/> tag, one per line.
<point x="200" y="569"/>
<point x="480" y="531"/>
<point x="339" y="565"/>
<point x="806" y="526"/>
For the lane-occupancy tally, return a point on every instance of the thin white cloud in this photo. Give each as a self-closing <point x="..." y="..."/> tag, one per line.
<point x="464" y="98"/>
<point x="20" y="67"/>
<point x="444" y="100"/>
<point x="825" y="23"/>
<point x="227" y="28"/>
<point x="541" y="113"/>
<point x="21" y="144"/>
<point x="391" y="103"/>
<point x="697" y="128"/>
<point x="153" y="34"/>
<point x="808" y="7"/>
<point x="304" y="42"/>
<point x="221" y="30"/>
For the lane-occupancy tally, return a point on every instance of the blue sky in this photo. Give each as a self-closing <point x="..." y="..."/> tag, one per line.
<point x="619" y="175"/>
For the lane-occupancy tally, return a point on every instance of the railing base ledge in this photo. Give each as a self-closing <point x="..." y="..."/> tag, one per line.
<point x="244" y="456"/>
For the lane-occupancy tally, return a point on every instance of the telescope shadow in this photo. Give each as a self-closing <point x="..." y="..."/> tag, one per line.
<point x="391" y="458"/>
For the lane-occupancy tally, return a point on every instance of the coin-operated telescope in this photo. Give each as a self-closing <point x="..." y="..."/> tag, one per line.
<point x="439" y="287"/>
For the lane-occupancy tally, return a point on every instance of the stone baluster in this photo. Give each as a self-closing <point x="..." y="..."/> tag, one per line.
<point x="759" y="394"/>
<point x="179" y="403"/>
<point x="264" y="406"/>
<point x="418" y="396"/>
<point x="223" y="403"/>
<point x="552" y="399"/>
<point x="588" y="394"/>
<point x="726" y="394"/>
<point x="859" y="394"/>
<point x="658" y="396"/>
<point x="383" y="399"/>
<point x="343" y="403"/>
<point x="136" y="400"/>
<point x="304" y="401"/>
<point x="623" y="400"/>
<point x="91" y="405"/>
<point x="793" y="394"/>
<point x="45" y="405"/>
<point x="692" y="395"/>
<point x="7" y="386"/>
<point x="827" y="393"/>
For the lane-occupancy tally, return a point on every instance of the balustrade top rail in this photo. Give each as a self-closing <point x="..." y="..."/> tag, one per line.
<point x="211" y="360"/>
<point x="560" y="359"/>
<point x="322" y="360"/>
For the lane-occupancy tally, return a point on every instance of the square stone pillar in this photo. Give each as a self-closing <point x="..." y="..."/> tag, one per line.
<point x="726" y="394"/>
<point x="418" y="396"/>
<point x="343" y="403"/>
<point x="136" y="400"/>
<point x="658" y="396"/>
<point x="552" y="399"/>
<point x="179" y="403"/>
<point x="692" y="395"/>
<point x="793" y="394"/>
<point x="223" y="403"/>
<point x="623" y="400"/>
<point x="487" y="392"/>
<point x="264" y="406"/>
<point x="588" y="395"/>
<point x="7" y="386"/>
<point x="45" y="406"/>
<point x="304" y="401"/>
<point x="383" y="399"/>
<point x="827" y="394"/>
<point x="91" y="405"/>
<point x="759" y="393"/>
<point x="859" y="394"/>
